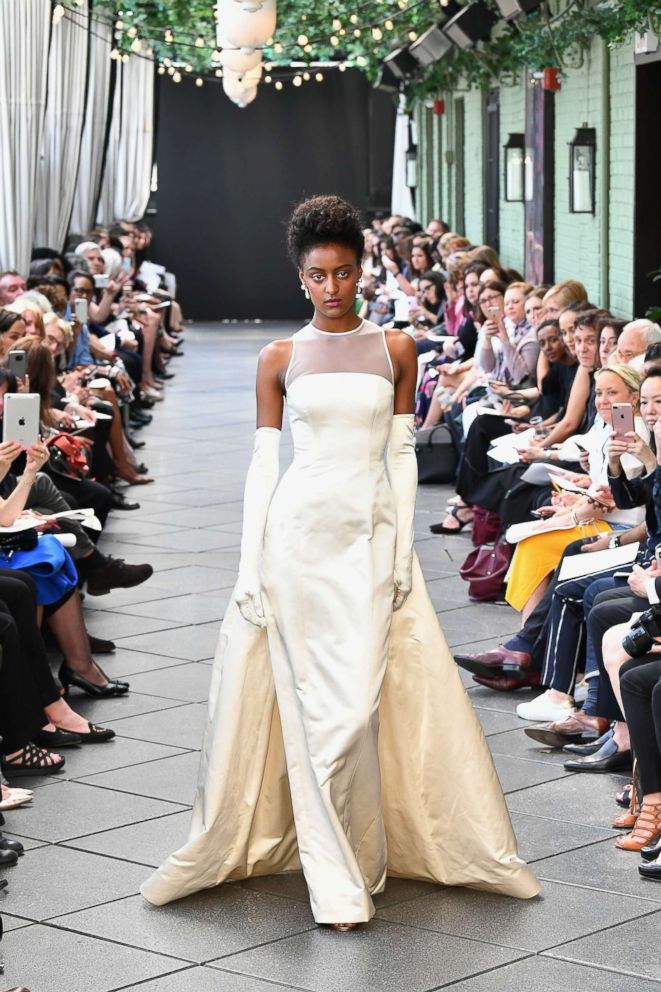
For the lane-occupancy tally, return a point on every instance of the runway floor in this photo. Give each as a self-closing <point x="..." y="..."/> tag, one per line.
<point x="73" y="917"/>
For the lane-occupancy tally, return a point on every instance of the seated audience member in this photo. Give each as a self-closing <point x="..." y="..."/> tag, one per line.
<point x="12" y="329"/>
<point x="562" y="295"/>
<point x="609" y="333"/>
<point x="33" y="316"/>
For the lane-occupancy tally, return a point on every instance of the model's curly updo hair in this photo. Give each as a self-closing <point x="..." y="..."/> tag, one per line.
<point x="324" y="220"/>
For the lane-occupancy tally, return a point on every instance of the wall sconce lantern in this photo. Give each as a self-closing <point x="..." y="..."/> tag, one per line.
<point x="412" y="167"/>
<point x="582" y="152"/>
<point x="515" y="157"/>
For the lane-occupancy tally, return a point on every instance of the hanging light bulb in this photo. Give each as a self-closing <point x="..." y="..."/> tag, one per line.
<point x="216" y="55"/>
<point x="268" y="79"/>
<point x="136" y="45"/>
<point x="277" y="48"/>
<point x="308" y="49"/>
<point x="167" y="62"/>
<point x="361" y="60"/>
<point x="278" y="84"/>
<point x="125" y="57"/>
<point x="401" y="4"/>
<point x="169" y="37"/>
<point x="388" y="25"/>
<point x="176" y="77"/>
<point x="132" y="31"/>
<point x="268" y="66"/>
<point x="413" y="35"/>
<point x="189" y="68"/>
<point x="219" y="73"/>
<point x="306" y="76"/>
<point x="377" y="34"/>
<point x="119" y="25"/>
<point x="337" y="24"/>
<point x="161" y="70"/>
<point x="354" y="18"/>
<point x="357" y="33"/>
<point x="319" y="76"/>
<point x="297" y="81"/>
<point x="334" y="40"/>
<point x="199" y="81"/>
<point x="342" y="67"/>
<point x="302" y="40"/>
<point x="114" y="54"/>
<point x="199" y="41"/>
<point x="171" y="71"/>
<point x="58" y="13"/>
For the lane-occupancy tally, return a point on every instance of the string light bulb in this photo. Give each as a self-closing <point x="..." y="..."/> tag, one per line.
<point x="277" y="48"/>
<point x="58" y="13"/>
<point x="306" y="76"/>
<point x="161" y="70"/>
<point x="199" y="41"/>
<point x="308" y="49"/>
<point x="199" y="81"/>
<point x="125" y="57"/>
<point x="171" y="70"/>
<point x="136" y="45"/>
<point x="354" y="18"/>
<point x="278" y="84"/>
<point x="357" y="33"/>
<point x="302" y="40"/>
<point x="169" y="37"/>
<point x="361" y="60"/>
<point x="388" y="25"/>
<point x="132" y="31"/>
<point x="219" y="73"/>
<point x="337" y="24"/>
<point x="413" y="35"/>
<point x="176" y="77"/>
<point x="319" y="76"/>
<point x="334" y="40"/>
<point x="297" y="81"/>
<point x="377" y="34"/>
<point x="119" y="25"/>
<point x="114" y="54"/>
<point x="342" y="67"/>
<point x="189" y="68"/>
<point x="267" y="79"/>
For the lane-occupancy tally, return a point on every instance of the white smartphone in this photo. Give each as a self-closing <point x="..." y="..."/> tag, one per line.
<point x="82" y="311"/>
<point x="20" y="421"/>
<point x="101" y="280"/>
<point x="623" y="418"/>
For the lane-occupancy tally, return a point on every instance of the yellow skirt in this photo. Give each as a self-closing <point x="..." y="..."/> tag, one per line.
<point x="539" y="556"/>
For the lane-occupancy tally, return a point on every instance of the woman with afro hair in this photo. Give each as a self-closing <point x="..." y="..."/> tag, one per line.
<point x="340" y="738"/>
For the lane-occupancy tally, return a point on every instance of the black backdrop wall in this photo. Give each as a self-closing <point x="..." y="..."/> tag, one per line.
<point x="228" y="178"/>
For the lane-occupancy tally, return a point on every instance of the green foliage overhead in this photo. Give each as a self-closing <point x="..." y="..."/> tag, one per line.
<point x="363" y="33"/>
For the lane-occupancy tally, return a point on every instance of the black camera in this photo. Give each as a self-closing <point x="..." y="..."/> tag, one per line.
<point x="640" y="639"/>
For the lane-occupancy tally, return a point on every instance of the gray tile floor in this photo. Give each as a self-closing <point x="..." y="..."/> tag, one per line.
<point x="73" y="916"/>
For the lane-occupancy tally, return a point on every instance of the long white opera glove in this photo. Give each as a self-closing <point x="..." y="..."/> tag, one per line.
<point x="261" y="481"/>
<point x="403" y="474"/>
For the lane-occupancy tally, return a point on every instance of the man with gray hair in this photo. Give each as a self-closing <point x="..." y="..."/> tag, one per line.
<point x="635" y="339"/>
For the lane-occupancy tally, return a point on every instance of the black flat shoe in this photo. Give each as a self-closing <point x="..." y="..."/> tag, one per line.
<point x="608" y="758"/>
<point x="8" y="859"/>
<point x="96" y="735"/>
<point x="100" y="646"/>
<point x="652" y="850"/>
<point x="584" y="750"/>
<point x="53" y="740"/>
<point x="653" y="871"/>
<point x="68" y="678"/>
<point x="11" y="845"/>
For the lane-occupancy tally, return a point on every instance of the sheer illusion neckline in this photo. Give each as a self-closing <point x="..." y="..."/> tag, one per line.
<point x="337" y="334"/>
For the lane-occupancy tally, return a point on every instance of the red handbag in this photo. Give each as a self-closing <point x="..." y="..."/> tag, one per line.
<point x="486" y="526"/>
<point x="485" y="569"/>
<point x="67" y="456"/>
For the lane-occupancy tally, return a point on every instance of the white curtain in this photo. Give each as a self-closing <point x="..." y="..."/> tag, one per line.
<point x="24" y="39"/>
<point x="65" y="109"/>
<point x="92" y="145"/>
<point x="127" y="177"/>
<point x="402" y="200"/>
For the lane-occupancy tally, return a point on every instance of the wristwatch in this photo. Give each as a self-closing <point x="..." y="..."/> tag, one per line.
<point x="613" y="541"/>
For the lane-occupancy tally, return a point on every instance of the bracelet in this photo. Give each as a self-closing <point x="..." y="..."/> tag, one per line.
<point x="574" y="518"/>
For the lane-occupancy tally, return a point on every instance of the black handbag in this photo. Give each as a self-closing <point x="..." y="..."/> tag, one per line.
<point x="436" y="455"/>
<point x="20" y="540"/>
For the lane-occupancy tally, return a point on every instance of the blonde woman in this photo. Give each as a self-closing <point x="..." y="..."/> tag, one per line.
<point x="32" y="314"/>
<point x="573" y="515"/>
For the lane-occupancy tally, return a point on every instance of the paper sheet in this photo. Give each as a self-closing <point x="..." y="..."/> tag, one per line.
<point x="594" y="562"/>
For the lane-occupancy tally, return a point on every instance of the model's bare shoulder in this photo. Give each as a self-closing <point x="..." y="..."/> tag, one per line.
<point x="275" y="357"/>
<point x="401" y="347"/>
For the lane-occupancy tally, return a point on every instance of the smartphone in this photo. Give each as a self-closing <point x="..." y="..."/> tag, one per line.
<point x="126" y="264"/>
<point x="16" y="364"/>
<point x="494" y="312"/>
<point x="101" y="280"/>
<point x="657" y="555"/>
<point x="622" y="418"/>
<point x="21" y="418"/>
<point x="82" y="311"/>
<point x="582" y="447"/>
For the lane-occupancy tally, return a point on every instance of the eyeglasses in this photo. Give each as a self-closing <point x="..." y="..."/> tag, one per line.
<point x="496" y="298"/>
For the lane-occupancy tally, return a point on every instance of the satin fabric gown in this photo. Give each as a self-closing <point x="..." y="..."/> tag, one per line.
<point x="340" y="738"/>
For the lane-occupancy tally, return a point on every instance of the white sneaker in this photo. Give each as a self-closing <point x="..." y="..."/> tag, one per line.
<point x="542" y="710"/>
<point x="581" y="692"/>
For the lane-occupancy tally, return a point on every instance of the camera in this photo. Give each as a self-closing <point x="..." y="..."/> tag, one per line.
<point x="640" y="639"/>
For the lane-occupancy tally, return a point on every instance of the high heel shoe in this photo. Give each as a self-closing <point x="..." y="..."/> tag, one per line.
<point x="652" y="850"/>
<point x="68" y="678"/>
<point x="647" y="826"/>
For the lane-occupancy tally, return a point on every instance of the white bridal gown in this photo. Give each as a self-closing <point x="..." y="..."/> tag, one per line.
<point x="340" y="738"/>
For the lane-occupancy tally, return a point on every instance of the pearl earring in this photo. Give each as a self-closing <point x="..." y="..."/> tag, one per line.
<point x="359" y="286"/>
<point x="304" y="289"/>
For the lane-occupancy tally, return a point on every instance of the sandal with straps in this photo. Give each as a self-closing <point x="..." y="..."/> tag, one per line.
<point x="32" y="760"/>
<point x="647" y="826"/>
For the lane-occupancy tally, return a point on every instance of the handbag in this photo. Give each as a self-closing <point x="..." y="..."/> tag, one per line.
<point x="485" y="569"/>
<point x="486" y="526"/>
<point x="21" y="540"/>
<point x="67" y="456"/>
<point x="436" y="455"/>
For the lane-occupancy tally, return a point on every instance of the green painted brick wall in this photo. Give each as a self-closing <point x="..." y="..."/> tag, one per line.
<point x="474" y="203"/>
<point x="622" y="159"/>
